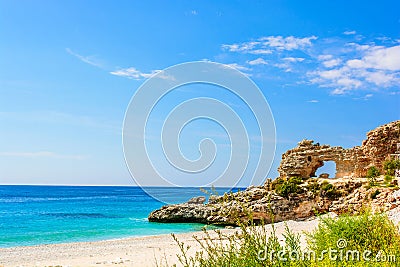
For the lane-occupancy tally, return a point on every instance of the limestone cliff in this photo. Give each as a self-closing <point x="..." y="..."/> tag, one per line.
<point x="307" y="157"/>
<point x="294" y="195"/>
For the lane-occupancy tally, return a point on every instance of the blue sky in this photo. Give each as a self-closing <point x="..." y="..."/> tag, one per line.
<point x="330" y="71"/>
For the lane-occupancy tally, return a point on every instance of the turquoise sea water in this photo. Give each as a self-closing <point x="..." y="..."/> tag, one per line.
<point x="32" y="215"/>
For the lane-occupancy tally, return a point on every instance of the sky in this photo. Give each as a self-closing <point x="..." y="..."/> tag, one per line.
<point x="330" y="71"/>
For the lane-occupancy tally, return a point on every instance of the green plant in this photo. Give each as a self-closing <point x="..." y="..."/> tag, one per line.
<point x="288" y="187"/>
<point x="388" y="179"/>
<point x="390" y="166"/>
<point x="373" y="232"/>
<point x="253" y="245"/>
<point x="313" y="186"/>
<point x="372" y="173"/>
<point x="277" y="182"/>
<point x="375" y="193"/>
<point x="329" y="190"/>
<point x="326" y="186"/>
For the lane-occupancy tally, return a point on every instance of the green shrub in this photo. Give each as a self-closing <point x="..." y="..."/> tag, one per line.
<point x="366" y="232"/>
<point x="390" y="166"/>
<point x="388" y="179"/>
<point x="326" y="186"/>
<point x="375" y="193"/>
<point x="276" y="182"/>
<point x="249" y="247"/>
<point x="372" y="173"/>
<point x="329" y="190"/>
<point x="289" y="187"/>
<point x="313" y="186"/>
<point x="373" y="232"/>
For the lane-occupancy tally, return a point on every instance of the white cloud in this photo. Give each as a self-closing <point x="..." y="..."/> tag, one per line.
<point x="261" y="51"/>
<point x="332" y="63"/>
<point x="380" y="78"/>
<point x="42" y="154"/>
<point x="313" y="101"/>
<point x="87" y="59"/>
<point x="332" y="74"/>
<point x="294" y="59"/>
<point x="287" y="43"/>
<point x="285" y="66"/>
<point x="364" y="66"/>
<point x="335" y="62"/>
<point x="368" y="95"/>
<point x="341" y="79"/>
<point x="266" y="45"/>
<point x="324" y="57"/>
<point x="243" y="47"/>
<point x="133" y="73"/>
<point x="348" y="83"/>
<point x="349" y="32"/>
<point x="383" y="58"/>
<point x="238" y="67"/>
<point x="258" y="61"/>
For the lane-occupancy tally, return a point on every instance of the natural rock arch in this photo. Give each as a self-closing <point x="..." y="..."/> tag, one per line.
<point x="307" y="157"/>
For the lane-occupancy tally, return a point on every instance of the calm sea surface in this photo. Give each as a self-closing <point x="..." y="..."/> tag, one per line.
<point x="32" y="215"/>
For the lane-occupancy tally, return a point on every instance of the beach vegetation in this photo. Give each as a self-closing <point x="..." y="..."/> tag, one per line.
<point x="373" y="236"/>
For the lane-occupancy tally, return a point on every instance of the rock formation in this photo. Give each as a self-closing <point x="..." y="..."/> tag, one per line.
<point x="290" y="197"/>
<point x="315" y="196"/>
<point x="307" y="157"/>
<point x="197" y="200"/>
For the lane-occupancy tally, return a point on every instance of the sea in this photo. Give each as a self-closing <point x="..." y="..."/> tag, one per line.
<point x="35" y="215"/>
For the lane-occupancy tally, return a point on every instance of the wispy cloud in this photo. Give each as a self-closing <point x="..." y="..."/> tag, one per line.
<point x="313" y="101"/>
<point x="42" y="154"/>
<point x="133" y="73"/>
<point x="287" y="43"/>
<point x="130" y="73"/>
<point x="349" y="32"/>
<point x="238" y="66"/>
<point x="293" y="59"/>
<point x="92" y="60"/>
<point x="258" y="61"/>
<point x="268" y="44"/>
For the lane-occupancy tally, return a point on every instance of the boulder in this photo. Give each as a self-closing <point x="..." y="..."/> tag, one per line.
<point x="197" y="200"/>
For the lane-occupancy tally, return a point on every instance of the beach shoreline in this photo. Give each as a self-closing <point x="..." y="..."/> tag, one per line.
<point x="131" y="251"/>
<point x="146" y="251"/>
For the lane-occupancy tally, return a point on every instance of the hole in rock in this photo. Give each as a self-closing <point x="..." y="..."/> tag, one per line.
<point x="329" y="168"/>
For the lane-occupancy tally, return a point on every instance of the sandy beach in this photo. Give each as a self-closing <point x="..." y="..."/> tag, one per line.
<point x="138" y="251"/>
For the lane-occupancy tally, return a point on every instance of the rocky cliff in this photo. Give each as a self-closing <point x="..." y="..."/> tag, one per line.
<point x="296" y="196"/>
<point x="307" y="157"/>
<point x="262" y="203"/>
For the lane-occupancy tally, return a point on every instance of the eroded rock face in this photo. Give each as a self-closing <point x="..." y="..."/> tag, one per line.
<point x="265" y="205"/>
<point x="307" y="157"/>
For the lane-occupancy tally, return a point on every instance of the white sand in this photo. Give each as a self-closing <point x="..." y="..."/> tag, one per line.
<point x="139" y="251"/>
